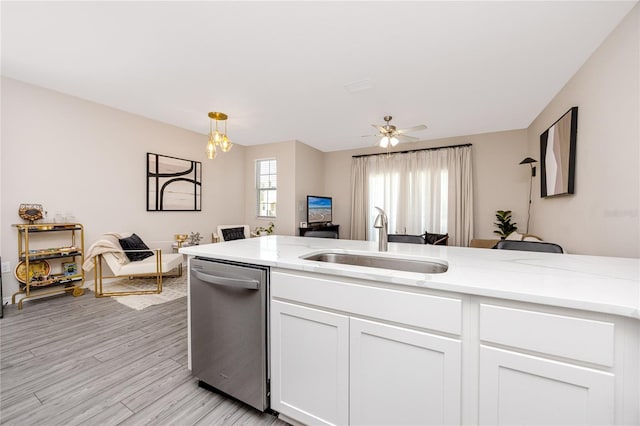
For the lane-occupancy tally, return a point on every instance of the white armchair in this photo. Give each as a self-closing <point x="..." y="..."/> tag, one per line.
<point x="107" y="251"/>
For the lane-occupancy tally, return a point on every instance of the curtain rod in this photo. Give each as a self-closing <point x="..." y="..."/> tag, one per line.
<point x="412" y="150"/>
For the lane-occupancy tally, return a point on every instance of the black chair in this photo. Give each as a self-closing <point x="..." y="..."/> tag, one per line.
<point x="436" y="239"/>
<point x="529" y="246"/>
<point x="403" y="238"/>
<point x="321" y="234"/>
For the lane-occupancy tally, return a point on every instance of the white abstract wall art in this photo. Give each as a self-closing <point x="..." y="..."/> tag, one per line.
<point x="558" y="156"/>
<point x="173" y="184"/>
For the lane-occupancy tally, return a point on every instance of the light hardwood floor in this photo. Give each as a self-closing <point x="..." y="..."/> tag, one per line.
<point x="80" y="360"/>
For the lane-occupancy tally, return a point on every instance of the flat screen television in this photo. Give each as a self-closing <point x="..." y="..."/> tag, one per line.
<point x="319" y="210"/>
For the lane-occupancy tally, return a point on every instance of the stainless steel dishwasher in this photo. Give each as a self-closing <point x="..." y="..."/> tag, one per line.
<point x="229" y="317"/>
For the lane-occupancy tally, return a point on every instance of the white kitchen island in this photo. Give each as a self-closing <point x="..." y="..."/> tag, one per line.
<point x="504" y="337"/>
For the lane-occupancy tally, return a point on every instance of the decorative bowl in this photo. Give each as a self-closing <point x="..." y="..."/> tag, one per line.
<point x="30" y="212"/>
<point x="37" y="269"/>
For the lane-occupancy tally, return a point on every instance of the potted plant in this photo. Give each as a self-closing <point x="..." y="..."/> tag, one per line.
<point x="265" y="230"/>
<point x="504" y="223"/>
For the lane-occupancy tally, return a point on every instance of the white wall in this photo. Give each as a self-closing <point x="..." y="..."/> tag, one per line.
<point x="300" y="169"/>
<point x="309" y="178"/>
<point x="337" y="184"/>
<point x="284" y="153"/>
<point x="602" y="217"/>
<point x="89" y="160"/>
<point x="500" y="183"/>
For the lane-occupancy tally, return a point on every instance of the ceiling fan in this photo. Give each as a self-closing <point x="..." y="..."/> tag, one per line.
<point x="391" y="136"/>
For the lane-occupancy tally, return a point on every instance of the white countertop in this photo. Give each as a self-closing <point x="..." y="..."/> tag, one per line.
<point x="601" y="284"/>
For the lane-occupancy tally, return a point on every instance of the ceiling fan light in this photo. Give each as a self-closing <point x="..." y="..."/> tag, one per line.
<point x="390" y="135"/>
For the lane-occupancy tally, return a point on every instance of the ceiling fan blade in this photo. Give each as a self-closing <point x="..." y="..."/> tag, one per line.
<point x="406" y="138"/>
<point x="380" y="128"/>
<point x="411" y="129"/>
<point x="369" y="136"/>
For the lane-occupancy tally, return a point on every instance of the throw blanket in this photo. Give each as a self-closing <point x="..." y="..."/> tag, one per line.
<point x="107" y="244"/>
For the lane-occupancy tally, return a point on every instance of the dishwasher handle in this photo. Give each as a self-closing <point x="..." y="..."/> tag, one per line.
<point x="227" y="282"/>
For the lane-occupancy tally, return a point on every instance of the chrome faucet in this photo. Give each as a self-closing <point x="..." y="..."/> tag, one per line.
<point x="382" y="224"/>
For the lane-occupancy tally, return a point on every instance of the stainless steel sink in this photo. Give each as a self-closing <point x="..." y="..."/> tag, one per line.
<point x="408" y="265"/>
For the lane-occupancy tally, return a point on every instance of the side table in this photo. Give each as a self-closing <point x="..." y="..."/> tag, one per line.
<point x="176" y="246"/>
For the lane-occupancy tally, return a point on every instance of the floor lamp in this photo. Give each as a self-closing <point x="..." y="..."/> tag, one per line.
<point x="530" y="162"/>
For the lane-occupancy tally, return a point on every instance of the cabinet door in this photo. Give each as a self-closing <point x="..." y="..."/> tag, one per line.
<point x="310" y="364"/>
<point x="403" y="377"/>
<point x="526" y="390"/>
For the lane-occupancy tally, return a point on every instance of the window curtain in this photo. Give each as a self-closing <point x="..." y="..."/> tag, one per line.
<point x="359" y="188"/>
<point x="421" y="191"/>
<point x="460" y="214"/>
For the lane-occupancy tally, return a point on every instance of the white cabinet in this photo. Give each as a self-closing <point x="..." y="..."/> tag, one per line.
<point x="518" y="386"/>
<point x="309" y="364"/>
<point x="400" y="376"/>
<point x="331" y="369"/>
<point x="353" y="352"/>
<point x="519" y="389"/>
<point x="338" y="368"/>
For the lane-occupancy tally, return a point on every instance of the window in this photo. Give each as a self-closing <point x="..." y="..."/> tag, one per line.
<point x="414" y="209"/>
<point x="266" y="184"/>
<point x="412" y="189"/>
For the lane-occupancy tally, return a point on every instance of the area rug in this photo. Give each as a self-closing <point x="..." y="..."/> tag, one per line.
<point x="172" y="288"/>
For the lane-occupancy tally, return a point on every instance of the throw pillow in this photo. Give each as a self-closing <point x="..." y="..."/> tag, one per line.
<point x="134" y="243"/>
<point x="229" y="234"/>
<point x="436" y="239"/>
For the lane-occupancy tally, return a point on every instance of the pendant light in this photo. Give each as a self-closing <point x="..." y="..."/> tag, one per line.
<point x="216" y="137"/>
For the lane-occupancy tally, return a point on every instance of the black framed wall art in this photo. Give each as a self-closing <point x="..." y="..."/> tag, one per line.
<point x="558" y="156"/>
<point x="173" y="184"/>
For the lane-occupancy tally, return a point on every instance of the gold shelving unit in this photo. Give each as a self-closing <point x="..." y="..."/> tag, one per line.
<point x="38" y="286"/>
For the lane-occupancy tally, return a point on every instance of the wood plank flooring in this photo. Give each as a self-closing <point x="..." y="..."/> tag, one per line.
<point x="80" y="360"/>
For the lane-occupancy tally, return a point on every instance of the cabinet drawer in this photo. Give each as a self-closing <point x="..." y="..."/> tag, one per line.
<point x="576" y="338"/>
<point x="420" y="310"/>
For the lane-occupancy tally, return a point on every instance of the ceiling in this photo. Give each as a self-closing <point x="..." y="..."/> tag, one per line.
<point x="279" y="69"/>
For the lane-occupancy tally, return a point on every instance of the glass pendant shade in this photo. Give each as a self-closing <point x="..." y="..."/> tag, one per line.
<point x="211" y="149"/>
<point x="226" y="144"/>
<point x="384" y="142"/>
<point x="393" y="141"/>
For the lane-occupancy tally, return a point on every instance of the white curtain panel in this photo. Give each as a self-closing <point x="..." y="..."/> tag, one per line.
<point x="359" y="188"/>
<point x="460" y="214"/>
<point x="420" y="191"/>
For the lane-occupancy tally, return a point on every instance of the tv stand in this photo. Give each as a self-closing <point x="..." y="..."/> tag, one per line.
<point x="334" y="228"/>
